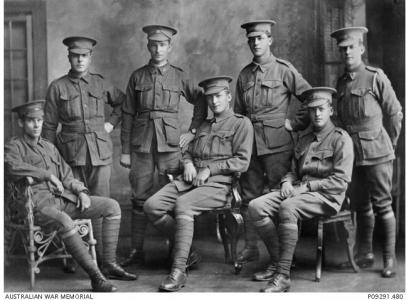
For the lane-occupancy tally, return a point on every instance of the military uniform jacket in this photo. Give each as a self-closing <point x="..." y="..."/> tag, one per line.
<point x="368" y="109"/>
<point x="23" y="157"/>
<point x="152" y="106"/>
<point x="263" y="94"/>
<point x="223" y="144"/>
<point x="78" y="105"/>
<point x="324" y="160"/>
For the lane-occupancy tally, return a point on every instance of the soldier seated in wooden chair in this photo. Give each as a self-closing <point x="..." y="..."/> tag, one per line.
<point x="316" y="185"/>
<point x="221" y="147"/>
<point x="58" y="197"/>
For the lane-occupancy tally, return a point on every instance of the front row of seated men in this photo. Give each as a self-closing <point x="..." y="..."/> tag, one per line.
<point x="316" y="185"/>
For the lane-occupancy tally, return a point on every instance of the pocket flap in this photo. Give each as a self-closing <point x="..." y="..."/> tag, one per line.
<point x="369" y="135"/>
<point x="139" y="123"/>
<point x="271" y="83"/>
<point x="359" y="92"/>
<point x="95" y="94"/>
<point x="104" y="136"/>
<point x="143" y="87"/>
<point x="171" y="87"/>
<point x="171" y="122"/>
<point x="248" y="85"/>
<point x="55" y="160"/>
<point x="224" y="134"/>
<point x="323" y="154"/>
<point x="64" y="96"/>
<point x="274" y="123"/>
<point x="66" y="138"/>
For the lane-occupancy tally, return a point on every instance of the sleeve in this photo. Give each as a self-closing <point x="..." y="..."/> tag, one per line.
<point x="297" y="85"/>
<point x="128" y="112"/>
<point x="239" y="107"/>
<point x="51" y="114"/>
<point x="292" y="175"/>
<point x="16" y="169"/>
<point x="66" y="176"/>
<point x="391" y="108"/>
<point x="115" y="98"/>
<point x="194" y="96"/>
<point x="242" y="149"/>
<point x="340" y="176"/>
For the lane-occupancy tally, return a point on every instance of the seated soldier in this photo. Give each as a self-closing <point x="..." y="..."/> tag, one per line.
<point x="58" y="197"/>
<point x="320" y="173"/>
<point x="222" y="146"/>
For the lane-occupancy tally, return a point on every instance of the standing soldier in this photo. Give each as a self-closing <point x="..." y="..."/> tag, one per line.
<point x="150" y="133"/>
<point x="368" y="109"/>
<point x="76" y="101"/>
<point x="264" y="91"/>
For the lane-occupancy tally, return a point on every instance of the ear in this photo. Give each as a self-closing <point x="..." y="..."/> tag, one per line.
<point x="20" y="123"/>
<point x="229" y="97"/>
<point x="362" y="49"/>
<point x="270" y="41"/>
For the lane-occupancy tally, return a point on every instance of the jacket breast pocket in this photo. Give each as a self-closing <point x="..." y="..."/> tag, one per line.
<point x="222" y="143"/>
<point x="324" y="161"/>
<point x="171" y="97"/>
<point x="139" y="128"/>
<point x="144" y="96"/>
<point x="374" y="144"/>
<point x="104" y="145"/>
<point x="96" y="103"/>
<point x="70" y="106"/>
<point x="199" y="142"/>
<point x="275" y="133"/>
<point x="364" y="103"/>
<point x="271" y="91"/>
<point x="172" y="131"/>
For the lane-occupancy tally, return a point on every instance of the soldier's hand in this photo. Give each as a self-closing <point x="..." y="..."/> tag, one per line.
<point x="108" y="127"/>
<point x="288" y="125"/>
<point x="185" y="139"/>
<point x="299" y="190"/>
<point x="201" y="177"/>
<point x="57" y="184"/>
<point x="125" y="160"/>
<point x="286" y="189"/>
<point x="189" y="172"/>
<point x="83" y="201"/>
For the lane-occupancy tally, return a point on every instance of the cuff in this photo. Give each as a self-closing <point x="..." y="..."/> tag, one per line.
<point x="114" y="120"/>
<point x="313" y="185"/>
<point x="214" y="169"/>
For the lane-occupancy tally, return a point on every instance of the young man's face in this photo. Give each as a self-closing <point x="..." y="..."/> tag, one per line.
<point x="218" y="102"/>
<point x="159" y="51"/>
<point x="320" y="115"/>
<point x="32" y="126"/>
<point x="352" y="55"/>
<point x="80" y="63"/>
<point x="260" y="44"/>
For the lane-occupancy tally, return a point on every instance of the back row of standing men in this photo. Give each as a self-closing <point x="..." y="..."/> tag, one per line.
<point x="367" y="109"/>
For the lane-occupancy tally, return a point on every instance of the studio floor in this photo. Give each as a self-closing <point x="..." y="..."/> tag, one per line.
<point x="212" y="275"/>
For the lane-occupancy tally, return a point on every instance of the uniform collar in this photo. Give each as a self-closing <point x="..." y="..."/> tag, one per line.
<point x="224" y="115"/>
<point x="320" y="135"/>
<point x="263" y="65"/>
<point x="31" y="142"/>
<point x="350" y="75"/>
<point x="75" y="78"/>
<point x="161" y="70"/>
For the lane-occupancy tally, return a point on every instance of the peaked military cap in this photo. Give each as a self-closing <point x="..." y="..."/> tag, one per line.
<point x="255" y="28"/>
<point x="30" y="109"/>
<point x="79" y="44"/>
<point x="216" y="84"/>
<point x="159" y="32"/>
<point x="349" y="35"/>
<point x="318" y="96"/>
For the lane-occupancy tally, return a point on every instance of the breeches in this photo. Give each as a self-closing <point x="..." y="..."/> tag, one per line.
<point x="191" y="202"/>
<point x="96" y="178"/>
<point x="301" y="207"/>
<point x="59" y="213"/>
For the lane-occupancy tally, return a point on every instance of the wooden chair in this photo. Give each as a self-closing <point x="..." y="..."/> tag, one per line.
<point x="39" y="245"/>
<point x="346" y="219"/>
<point x="230" y="223"/>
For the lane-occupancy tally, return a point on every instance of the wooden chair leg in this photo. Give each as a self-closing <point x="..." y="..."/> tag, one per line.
<point x="319" y="250"/>
<point x="224" y="238"/>
<point x="350" y="232"/>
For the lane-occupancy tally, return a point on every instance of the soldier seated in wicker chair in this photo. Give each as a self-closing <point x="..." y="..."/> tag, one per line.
<point x="58" y="197"/>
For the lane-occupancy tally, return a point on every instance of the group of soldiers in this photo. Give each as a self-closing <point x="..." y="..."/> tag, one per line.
<point x="251" y="135"/>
